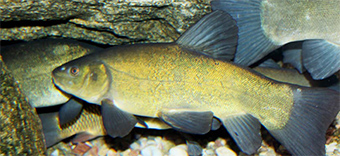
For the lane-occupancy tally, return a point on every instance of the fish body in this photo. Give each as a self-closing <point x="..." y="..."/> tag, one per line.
<point x="31" y="64"/>
<point x="265" y="25"/>
<point x="166" y="76"/>
<point x="291" y="20"/>
<point x="185" y="86"/>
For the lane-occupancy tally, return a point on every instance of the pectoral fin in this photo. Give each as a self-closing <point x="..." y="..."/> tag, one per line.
<point x="117" y="122"/>
<point x="69" y="111"/>
<point x="188" y="121"/>
<point x="245" y="130"/>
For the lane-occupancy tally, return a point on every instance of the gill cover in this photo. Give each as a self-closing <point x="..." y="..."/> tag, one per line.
<point x="83" y="79"/>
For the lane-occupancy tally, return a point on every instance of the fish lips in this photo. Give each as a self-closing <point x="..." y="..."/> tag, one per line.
<point x="58" y="74"/>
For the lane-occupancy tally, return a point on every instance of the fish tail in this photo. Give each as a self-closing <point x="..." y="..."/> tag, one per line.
<point x="253" y="44"/>
<point x="313" y="111"/>
<point x="51" y="129"/>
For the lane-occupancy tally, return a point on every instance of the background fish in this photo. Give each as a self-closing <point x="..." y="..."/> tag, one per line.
<point x="174" y="82"/>
<point x="87" y="125"/>
<point x="265" y="25"/>
<point x="31" y="65"/>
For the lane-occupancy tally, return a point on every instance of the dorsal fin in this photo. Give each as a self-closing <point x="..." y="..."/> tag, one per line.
<point x="214" y="35"/>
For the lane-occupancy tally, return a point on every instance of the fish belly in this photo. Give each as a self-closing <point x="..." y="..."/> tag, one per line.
<point x="152" y="82"/>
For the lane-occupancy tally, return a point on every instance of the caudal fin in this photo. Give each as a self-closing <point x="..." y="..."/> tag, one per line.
<point x="51" y="128"/>
<point x="313" y="111"/>
<point x="252" y="42"/>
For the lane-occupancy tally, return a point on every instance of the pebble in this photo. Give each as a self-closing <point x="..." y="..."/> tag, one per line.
<point x="331" y="147"/>
<point x="224" y="151"/>
<point x="151" y="150"/>
<point x="55" y="153"/>
<point x="178" y="151"/>
<point x="208" y="152"/>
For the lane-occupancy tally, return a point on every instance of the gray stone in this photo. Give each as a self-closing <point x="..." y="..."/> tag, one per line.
<point x="102" y="21"/>
<point x="20" y="127"/>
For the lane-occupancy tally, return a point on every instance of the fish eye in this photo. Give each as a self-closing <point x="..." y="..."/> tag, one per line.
<point x="74" y="71"/>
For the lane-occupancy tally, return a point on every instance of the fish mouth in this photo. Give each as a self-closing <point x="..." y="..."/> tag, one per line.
<point x="57" y="74"/>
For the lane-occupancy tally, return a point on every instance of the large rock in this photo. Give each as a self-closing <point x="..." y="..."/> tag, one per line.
<point x="20" y="127"/>
<point x="102" y="21"/>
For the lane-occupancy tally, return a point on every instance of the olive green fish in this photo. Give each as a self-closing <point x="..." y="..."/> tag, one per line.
<point x="31" y="64"/>
<point x="182" y="84"/>
<point x="265" y="25"/>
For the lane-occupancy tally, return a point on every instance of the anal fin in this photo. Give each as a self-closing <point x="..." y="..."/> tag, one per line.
<point x="194" y="122"/>
<point x="117" y="123"/>
<point x="245" y="130"/>
<point x="293" y="56"/>
<point x="321" y="58"/>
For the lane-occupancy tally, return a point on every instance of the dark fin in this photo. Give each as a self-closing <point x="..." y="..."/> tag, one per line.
<point x="313" y="111"/>
<point x="188" y="121"/>
<point x="293" y="57"/>
<point x="335" y="87"/>
<point x="69" y="111"/>
<point x="194" y="149"/>
<point x="321" y="58"/>
<point x="51" y="128"/>
<point x="245" y="130"/>
<point x="117" y="123"/>
<point x="270" y="63"/>
<point x="214" y="35"/>
<point x="252" y="42"/>
<point x="216" y="124"/>
<point x="142" y="122"/>
<point x="82" y="137"/>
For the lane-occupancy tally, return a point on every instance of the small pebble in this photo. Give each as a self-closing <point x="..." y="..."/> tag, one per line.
<point x="208" y="152"/>
<point x="142" y="142"/>
<point x="224" y="151"/>
<point x="151" y="150"/>
<point x="81" y="149"/>
<point x="111" y="152"/>
<point x="331" y="147"/>
<point x="135" y="146"/>
<point x="55" y="153"/>
<point x="211" y="145"/>
<point x="150" y="142"/>
<point x="178" y="151"/>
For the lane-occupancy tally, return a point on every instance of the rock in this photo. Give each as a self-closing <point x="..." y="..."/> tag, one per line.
<point x="21" y="130"/>
<point x="224" y="151"/>
<point x="151" y="150"/>
<point x="177" y="151"/>
<point x="208" y="152"/>
<point x="102" y="21"/>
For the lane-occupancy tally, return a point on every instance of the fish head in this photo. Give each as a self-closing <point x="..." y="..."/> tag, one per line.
<point x="85" y="79"/>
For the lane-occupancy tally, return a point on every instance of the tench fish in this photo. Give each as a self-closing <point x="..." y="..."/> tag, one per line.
<point x="184" y="85"/>
<point x="31" y="64"/>
<point x="265" y="25"/>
